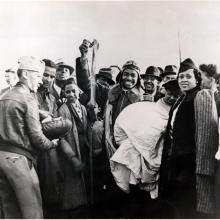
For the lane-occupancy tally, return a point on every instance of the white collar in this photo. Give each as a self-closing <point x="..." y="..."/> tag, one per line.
<point x="57" y="88"/>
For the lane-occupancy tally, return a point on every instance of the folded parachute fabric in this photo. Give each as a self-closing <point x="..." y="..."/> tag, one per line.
<point x="138" y="131"/>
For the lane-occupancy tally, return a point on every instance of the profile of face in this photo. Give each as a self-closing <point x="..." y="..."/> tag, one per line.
<point x="72" y="92"/>
<point x="48" y="76"/>
<point x="150" y="84"/>
<point x="62" y="73"/>
<point x="187" y="80"/>
<point x="206" y="81"/>
<point x="34" y="79"/>
<point x="170" y="97"/>
<point x="10" y="78"/>
<point x="129" y="78"/>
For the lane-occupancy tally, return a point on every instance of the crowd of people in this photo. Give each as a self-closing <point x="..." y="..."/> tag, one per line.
<point x="147" y="148"/>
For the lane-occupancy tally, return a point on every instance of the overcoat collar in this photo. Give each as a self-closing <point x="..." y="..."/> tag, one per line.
<point x="191" y="94"/>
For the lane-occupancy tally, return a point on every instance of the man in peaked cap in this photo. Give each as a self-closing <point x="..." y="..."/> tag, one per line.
<point x="19" y="185"/>
<point x="11" y="78"/>
<point x="151" y="80"/>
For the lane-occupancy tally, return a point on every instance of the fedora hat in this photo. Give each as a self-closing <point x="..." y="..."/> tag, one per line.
<point x="169" y="70"/>
<point x="107" y="74"/>
<point x="63" y="64"/>
<point x="152" y="71"/>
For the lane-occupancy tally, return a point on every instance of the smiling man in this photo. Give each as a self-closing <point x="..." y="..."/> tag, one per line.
<point x="151" y="80"/>
<point x="126" y="92"/>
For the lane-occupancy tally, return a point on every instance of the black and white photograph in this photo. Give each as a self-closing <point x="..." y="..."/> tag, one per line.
<point x="109" y="109"/>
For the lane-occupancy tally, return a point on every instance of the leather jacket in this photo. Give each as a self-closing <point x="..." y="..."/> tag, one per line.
<point x="20" y="128"/>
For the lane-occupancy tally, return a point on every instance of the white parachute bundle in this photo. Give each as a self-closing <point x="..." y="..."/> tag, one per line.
<point x="138" y="132"/>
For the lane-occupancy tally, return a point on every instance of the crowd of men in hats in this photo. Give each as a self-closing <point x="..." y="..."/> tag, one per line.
<point x="63" y="157"/>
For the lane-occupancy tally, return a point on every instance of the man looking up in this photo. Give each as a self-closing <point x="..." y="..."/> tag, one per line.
<point x="63" y="72"/>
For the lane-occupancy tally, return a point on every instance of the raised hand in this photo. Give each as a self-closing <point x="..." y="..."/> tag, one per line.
<point x="84" y="48"/>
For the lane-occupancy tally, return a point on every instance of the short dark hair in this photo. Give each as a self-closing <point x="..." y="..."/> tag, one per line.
<point x="49" y="63"/>
<point x="68" y="82"/>
<point x="210" y="69"/>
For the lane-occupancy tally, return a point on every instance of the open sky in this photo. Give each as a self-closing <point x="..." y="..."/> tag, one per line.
<point x="146" y="32"/>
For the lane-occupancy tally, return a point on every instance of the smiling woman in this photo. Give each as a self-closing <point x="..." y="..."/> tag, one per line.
<point x="188" y="163"/>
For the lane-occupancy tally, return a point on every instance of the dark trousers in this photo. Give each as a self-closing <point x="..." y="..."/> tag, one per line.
<point x="82" y="212"/>
<point x="140" y="204"/>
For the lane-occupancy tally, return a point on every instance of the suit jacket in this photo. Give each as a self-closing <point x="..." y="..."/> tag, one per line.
<point x="46" y="100"/>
